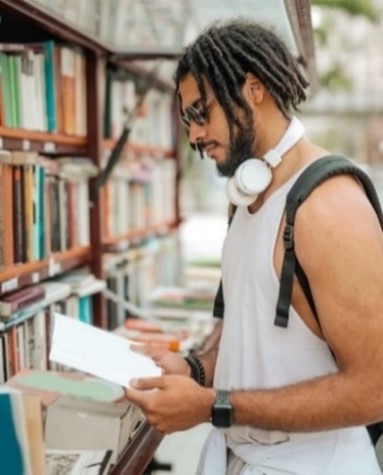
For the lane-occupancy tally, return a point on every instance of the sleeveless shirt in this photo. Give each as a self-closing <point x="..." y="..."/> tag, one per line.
<point x="256" y="354"/>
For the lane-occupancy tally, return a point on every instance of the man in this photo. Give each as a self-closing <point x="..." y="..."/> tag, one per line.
<point x="299" y="396"/>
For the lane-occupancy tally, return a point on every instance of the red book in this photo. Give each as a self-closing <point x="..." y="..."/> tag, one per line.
<point x="15" y="301"/>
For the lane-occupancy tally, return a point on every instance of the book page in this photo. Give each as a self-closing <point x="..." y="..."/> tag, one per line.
<point x="98" y="352"/>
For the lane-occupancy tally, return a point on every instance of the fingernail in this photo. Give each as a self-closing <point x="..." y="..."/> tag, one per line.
<point x="133" y="382"/>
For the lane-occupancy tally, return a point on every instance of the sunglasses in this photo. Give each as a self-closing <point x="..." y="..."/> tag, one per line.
<point x="196" y="114"/>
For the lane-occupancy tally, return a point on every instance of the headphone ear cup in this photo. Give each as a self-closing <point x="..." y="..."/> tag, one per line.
<point x="236" y="196"/>
<point x="253" y="176"/>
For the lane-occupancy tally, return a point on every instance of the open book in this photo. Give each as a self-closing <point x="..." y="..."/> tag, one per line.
<point x="98" y="352"/>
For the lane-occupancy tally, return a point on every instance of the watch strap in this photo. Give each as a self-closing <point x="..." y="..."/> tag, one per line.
<point x="222" y="411"/>
<point x="222" y="397"/>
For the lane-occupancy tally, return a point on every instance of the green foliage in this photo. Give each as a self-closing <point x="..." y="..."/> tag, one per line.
<point x="364" y="8"/>
<point x="335" y="79"/>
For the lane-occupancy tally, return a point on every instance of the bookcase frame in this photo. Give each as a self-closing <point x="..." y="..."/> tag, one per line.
<point x="37" y="24"/>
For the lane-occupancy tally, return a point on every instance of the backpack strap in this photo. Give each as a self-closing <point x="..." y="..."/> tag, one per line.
<point x="315" y="174"/>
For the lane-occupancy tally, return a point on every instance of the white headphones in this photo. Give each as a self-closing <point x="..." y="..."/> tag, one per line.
<point x="254" y="175"/>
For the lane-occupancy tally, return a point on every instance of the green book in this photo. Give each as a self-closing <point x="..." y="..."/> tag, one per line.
<point x="6" y="89"/>
<point x="14" y="91"/>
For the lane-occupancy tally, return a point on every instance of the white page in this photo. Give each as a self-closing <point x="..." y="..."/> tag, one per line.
<point x="98" y="352"/>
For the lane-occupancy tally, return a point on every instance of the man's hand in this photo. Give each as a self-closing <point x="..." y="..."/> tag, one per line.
<point x="173" y="403"/>
<point x="170" y="362"/>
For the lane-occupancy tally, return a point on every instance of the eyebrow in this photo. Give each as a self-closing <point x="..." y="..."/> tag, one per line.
<point x="194" y="104"/>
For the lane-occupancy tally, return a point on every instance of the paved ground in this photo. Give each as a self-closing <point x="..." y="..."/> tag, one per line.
<point x="182" y="450"/>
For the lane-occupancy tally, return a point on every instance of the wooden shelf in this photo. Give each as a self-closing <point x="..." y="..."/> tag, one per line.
<point x="139" y="452"/>
<point x="27" y="140"/>
<point x="140" y="234"/>
<point x="138" y="149"/>
<point x="21" y="275"/>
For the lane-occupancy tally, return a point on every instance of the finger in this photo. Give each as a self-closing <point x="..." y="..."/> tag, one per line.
<point x="154" y="352"/>
<point x="139" y="348"/>
<point x="137" y="397"/>
<point x="147" y="383"/>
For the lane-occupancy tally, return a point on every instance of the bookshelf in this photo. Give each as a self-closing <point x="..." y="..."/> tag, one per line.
<point x="39" y="142"/>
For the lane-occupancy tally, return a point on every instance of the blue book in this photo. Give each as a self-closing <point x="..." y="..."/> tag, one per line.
<point x="85" y="309"/>
<point x="11" y="454"/>
<point x="50" y="85"/>
<point x="41" y="214"/>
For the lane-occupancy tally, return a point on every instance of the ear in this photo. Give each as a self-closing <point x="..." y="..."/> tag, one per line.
<point x="254" y="89"/>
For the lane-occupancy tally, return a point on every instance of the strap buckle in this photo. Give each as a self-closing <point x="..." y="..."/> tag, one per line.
<point x="288" y="237"/>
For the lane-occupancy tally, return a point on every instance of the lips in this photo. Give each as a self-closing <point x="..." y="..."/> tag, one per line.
<point x="209" y="150"/>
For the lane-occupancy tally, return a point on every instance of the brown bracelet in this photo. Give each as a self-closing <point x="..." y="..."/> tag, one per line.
<point x="197" y="369"/>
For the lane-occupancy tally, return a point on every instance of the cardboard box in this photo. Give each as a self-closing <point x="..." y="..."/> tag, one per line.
<point x="78" y="423"/>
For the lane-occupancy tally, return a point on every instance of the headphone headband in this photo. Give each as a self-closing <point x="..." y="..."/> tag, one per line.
<point x="254" y="175"/>
<point x="293" y="133"/>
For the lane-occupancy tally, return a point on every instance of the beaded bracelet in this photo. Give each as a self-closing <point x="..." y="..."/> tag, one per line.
<point x="197" y="369"/>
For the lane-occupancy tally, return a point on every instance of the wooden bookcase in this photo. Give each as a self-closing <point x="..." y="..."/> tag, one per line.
<point x="23" y="22"/>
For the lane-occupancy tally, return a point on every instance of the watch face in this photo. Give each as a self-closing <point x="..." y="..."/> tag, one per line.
<point x="222" y="409"/>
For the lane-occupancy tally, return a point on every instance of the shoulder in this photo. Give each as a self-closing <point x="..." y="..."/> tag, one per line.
<point x="337" y="215"/>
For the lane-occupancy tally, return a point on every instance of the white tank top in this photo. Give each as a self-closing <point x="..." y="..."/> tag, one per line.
<point x="256" y="354"/>
<point x="269" y="356"/>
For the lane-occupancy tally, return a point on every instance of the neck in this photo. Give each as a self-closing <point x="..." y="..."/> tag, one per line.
<point x="296" y="158"/>
<point x="268" y="137"/>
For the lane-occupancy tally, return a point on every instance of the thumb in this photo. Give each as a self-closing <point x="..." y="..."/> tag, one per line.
<point x="147" y="383"/>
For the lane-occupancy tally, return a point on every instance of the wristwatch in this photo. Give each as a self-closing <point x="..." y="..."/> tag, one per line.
<point x="222" y="411"/>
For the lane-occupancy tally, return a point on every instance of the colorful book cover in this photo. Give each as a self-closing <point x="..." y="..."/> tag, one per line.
<point x="50" y="81"/>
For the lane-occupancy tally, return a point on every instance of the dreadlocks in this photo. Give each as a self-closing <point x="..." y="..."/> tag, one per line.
<point x="224" y="54"/>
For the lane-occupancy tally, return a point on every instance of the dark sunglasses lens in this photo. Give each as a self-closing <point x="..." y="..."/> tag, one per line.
<point x="196" y="116"/>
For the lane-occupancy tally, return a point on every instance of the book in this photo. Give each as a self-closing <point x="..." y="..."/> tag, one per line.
<point x="156" y="334"/>
<point x="19" y="299"/>
<point x="50" y="385"/>
<point x="177" y="341"/>
<point x="34" y="429"/>
<point x="80" y="423"/>
<point x="22" y="450"/>
<point x="78" y="344"/>
<point x="77" y="462"/>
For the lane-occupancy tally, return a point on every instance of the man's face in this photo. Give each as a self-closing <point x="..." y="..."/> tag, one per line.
<point x="212" y="133"/>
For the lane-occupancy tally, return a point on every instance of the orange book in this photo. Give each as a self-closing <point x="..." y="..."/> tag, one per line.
<point x="68" y="89"/>
<point x="177" y="341"/>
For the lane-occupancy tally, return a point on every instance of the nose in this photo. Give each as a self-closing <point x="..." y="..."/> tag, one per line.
<point x="197" y="133"/>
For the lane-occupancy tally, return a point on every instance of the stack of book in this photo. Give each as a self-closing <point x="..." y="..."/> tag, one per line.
<point x="156" y="334"/>
<point x="69" y="406"/>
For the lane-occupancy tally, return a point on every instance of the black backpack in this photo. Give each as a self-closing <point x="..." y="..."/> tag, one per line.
<point x="315" y="174"/>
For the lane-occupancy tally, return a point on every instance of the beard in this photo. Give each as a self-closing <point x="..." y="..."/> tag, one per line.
<point x="241" y="149"/>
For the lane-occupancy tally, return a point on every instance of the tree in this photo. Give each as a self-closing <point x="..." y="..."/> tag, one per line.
<point x="334" y="77"/>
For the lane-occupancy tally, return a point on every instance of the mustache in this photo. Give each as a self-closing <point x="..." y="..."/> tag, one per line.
<point x="201" y="146"/>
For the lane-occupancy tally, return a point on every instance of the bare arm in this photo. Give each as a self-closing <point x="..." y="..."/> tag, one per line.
<point x="341" y="249"/>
